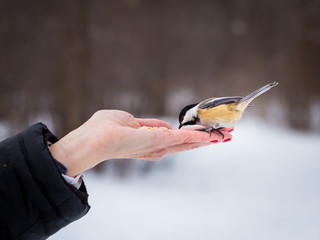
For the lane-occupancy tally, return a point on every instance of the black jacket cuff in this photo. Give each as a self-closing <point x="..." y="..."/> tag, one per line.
<point x="37" y="200"/>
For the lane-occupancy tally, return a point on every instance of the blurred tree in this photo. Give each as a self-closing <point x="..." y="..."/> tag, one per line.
<point x="73" y="84"/>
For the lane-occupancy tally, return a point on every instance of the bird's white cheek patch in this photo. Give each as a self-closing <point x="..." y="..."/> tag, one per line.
<point x="191" y="114"/>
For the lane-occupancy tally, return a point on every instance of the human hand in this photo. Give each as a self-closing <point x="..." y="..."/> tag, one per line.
<point x="110" y="134"/>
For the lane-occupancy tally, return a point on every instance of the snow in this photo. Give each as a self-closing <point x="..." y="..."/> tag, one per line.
<point x="264" y="184"/>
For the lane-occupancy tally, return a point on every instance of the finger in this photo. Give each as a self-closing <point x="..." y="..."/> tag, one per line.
<point x="152" y="122"/>
<point x="191" y="136"/>
<point x="163" y="148"/>
<point x="222" y="129"/>
<point x="227" y="129"/>
<point x="154" y="156"/>
<point x="158" y="139"/>
<point x="184" y="147"/>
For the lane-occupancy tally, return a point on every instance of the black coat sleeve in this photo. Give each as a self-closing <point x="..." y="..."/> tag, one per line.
<point x="35" y="200"/>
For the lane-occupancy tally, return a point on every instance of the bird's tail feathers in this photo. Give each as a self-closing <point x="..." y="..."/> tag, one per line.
<point x="244" y="102"/>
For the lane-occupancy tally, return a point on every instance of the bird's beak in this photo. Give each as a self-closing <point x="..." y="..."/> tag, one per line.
<point x="180" y="126"/>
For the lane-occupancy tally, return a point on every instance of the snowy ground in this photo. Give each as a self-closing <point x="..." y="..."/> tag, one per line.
<point x="263" y="185"/>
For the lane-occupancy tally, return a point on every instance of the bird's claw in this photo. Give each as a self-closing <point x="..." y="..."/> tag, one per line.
<point x="210" y="130"/>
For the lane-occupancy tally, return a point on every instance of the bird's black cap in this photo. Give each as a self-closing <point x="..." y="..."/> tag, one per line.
<point x="183" y="113"/>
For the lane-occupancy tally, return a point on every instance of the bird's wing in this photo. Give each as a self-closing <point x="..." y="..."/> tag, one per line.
<point x="213" y="102"/>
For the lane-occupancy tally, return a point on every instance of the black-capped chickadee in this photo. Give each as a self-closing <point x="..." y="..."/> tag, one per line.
<point x="218" y="113"/>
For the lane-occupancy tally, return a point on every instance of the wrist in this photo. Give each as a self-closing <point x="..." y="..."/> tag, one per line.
<point x="76" y="151"/>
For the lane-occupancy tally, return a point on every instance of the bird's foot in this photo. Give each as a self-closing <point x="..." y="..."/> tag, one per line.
<point x="210" y="130"/>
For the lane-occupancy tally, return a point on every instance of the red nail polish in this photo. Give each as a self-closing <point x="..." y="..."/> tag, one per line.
<point x="227" y="140"/>
<point x="214" y="141"/>
<point x="231" y="130"/>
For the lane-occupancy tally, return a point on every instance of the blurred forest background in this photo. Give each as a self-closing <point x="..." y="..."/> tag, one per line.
<point x="60" y="61"/>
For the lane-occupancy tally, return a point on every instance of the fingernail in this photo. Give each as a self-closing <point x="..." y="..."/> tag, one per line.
<point x="214" y="141"/>
<point x="227" y="140"/>
<point x="231" y="130"/>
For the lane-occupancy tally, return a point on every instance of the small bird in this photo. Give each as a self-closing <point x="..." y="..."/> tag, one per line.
<point x="217" y="113"/>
